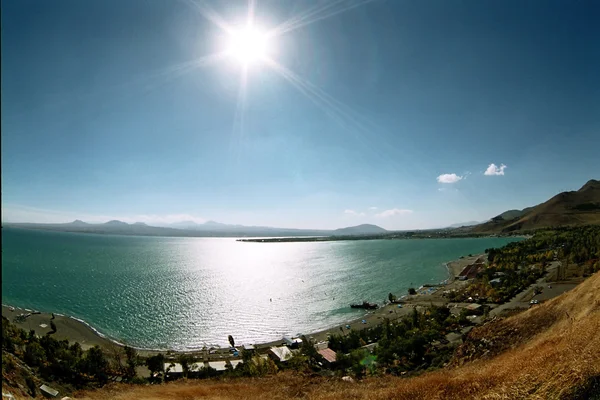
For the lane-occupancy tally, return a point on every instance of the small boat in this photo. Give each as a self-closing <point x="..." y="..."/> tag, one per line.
<point x="366" y="305"/>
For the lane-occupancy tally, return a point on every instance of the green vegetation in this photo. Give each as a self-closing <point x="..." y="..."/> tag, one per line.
<point x="156" y="364"/>
<point x="54" y="360"/>
<point x="518" y="265"/>
<point x="425" y="234"/>
<point x="414" y="342"/>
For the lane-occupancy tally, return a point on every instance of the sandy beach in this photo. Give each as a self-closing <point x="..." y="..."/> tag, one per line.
<point x="77" y="331"/>
<point x="66" y="328"/>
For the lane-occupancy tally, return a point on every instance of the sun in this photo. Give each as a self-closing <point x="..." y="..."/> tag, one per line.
<point x="248" y="45"/>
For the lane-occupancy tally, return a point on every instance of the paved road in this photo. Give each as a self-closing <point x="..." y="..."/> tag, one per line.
<point x="522" y="299"/>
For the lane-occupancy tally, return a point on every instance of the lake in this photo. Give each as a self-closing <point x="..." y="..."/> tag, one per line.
<point x="184" y="293"/>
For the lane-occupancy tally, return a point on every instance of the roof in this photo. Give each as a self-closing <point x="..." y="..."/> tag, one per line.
<point x="328" y="355"/>
<point x="49" y="390"/>
<point x="370" y="347"/>
<point x="175" y="369"/>
<point x="282" y="353"/>
<point x="234" y="363"/>
<point x="248" y="347"/>
<point x="218" y="365"/>
<point x="291" y="341"/>
<point x="473" y="306"/>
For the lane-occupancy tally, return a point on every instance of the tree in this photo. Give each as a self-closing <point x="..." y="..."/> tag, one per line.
<point x="186" y="362"/>
<point x="132" y="361"/>
<point x="95" y="363"/>
<point x="308" y="349"/>
<point x="116" y="353"/>
<point x="231" y="341"/>
<point x="412" y="291"/>
<point x="156" y="364"/>
<point x="31" y="385"/>
<point x="391" y="297"/>
<point x="34" y="354"/>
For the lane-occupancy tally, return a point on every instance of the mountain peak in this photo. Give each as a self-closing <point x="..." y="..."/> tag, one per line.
<point x="115" y="222"/>
<point x="79" y="222"/>
<point x="573" y="208"/>
<point x="591" y="184"/>
<point x="213" y="223"/>
<point x="363" y="229"/>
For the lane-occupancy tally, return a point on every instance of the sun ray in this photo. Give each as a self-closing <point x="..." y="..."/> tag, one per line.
<point x="174" y="72"/>
<point x="323" y="13"/>
<point x="251" y="10"/>
<point x="207" y="12"/>
<point x="239" y="116"/>
<point x="364" y="130"/>
<point x="323" y="97"/>
<point x="299" y="84"/>
<point x="334" y="108"/>
<point x="148" y="82"/>
<point x="299" y="18"/>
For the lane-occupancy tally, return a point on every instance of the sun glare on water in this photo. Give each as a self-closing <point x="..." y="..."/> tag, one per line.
<point x="248" y="45"/>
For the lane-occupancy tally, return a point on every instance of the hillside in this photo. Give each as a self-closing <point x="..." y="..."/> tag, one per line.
<point x="547" y="352"/>
<point x="573" y="208"/>
<point x="364" y="229"/>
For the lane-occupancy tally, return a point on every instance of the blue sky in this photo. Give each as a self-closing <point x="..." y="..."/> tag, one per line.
<point x="103" y="117"/>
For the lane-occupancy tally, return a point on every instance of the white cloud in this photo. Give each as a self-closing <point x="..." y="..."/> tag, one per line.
<point x="372" y="208"/>
<point x="495" y="170"/>
<point x="393" y="212"/>
<point x="354" y="213"/>
<point x="449" y="178"/>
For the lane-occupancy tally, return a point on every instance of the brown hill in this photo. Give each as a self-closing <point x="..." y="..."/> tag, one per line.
<point x="573" y="208"/>
<point x="547" y="352"/>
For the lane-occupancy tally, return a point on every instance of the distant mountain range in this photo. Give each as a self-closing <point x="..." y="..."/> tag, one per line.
<point x="581" y="207"/>
<point x="193" y="229"/>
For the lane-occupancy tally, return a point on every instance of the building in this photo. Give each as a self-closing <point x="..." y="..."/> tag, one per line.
<point x="47" y="391"/>
<point x="321" y="345"/>
<point x="292" y="343"/>
<point x="249" y="347"/>
<point x="219" y="366"/>
<point x="329" y="356"/>
<point x="280" y="354"/>
<point x="173" y="369"/>
<point x="496" y="282"/>
<point x="370" y="347"/>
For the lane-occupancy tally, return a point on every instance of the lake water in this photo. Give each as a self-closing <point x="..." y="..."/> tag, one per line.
<point x="184" y="293"/>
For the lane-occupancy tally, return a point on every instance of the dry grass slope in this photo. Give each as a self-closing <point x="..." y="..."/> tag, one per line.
<point x="576" y="208"/>
<point x="546" y="352"/>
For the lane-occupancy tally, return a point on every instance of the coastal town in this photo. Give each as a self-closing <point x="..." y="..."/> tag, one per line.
<point x="479" y="288"/>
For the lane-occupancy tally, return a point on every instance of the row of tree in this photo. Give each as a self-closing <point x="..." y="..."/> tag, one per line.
<point x="58" y="361"/>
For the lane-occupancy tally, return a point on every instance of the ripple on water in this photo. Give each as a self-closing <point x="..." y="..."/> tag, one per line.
<point x="185" y="293"/>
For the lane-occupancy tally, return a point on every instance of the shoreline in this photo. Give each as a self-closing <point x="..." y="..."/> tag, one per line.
<point x="78" y="330"/>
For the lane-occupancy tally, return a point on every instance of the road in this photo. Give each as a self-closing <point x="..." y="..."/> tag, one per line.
<point x="522" y="299"/>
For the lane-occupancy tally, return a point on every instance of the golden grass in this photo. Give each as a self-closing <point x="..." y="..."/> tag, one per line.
<point x="557" y="349"/>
